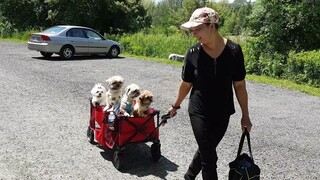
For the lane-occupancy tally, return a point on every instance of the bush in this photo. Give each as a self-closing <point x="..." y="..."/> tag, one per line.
<point x="304" y="67"/>
<point x="156" y="45"/>
<point x="252" y="49"/>
<point x="6" y="29"/>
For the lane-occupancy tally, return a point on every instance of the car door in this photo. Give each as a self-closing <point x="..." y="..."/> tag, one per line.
<point x="96" y="43"/>
<point x="78" y="39"/>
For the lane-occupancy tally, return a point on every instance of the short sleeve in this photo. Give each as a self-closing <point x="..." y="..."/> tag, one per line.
<point x="240" y="71"/>
<point x="187" y="74"/>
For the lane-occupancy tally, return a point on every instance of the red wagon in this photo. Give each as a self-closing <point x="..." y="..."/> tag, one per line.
<point x="127" y="130"/>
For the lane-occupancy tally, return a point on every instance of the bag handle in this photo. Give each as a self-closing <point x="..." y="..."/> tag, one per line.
<point x="245" y="134"/>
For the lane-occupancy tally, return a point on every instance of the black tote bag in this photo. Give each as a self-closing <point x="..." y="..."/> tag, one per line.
<point x="243" y="167"/>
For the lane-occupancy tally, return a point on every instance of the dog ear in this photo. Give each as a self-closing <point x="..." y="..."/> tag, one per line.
<point x="128" y="90"/>
<point x="138" y="93"/>
<point x="92" y="91"/>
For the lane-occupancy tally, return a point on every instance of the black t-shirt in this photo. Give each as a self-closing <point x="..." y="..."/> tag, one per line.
<point x="212" y="79"/>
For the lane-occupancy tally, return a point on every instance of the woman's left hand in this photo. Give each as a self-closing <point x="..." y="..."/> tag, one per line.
<point x="172" y="112"/>
<point x="246" y="123"/>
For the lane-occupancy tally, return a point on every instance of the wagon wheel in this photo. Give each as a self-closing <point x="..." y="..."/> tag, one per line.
<point x="90" y="135"/>
<point x="155" y="151"/>
<point x="116" y="161"/>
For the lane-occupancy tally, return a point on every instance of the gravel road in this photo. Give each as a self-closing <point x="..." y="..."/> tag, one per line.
<point x="45" y="112"/>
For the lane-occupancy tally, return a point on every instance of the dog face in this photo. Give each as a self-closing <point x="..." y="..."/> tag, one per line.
<point x="115" y="82"/>
<point x="132" y="91"/>
<point x="142" y="107"/>
<point x="98" y="91"/>
<point x="145" y="99"/>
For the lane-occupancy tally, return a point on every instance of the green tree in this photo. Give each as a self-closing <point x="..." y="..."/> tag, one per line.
<point x="105" y="15"/>
<point x="287" y="24"/>
<point x="23" y="14"/>
<point x="111" y="16"/>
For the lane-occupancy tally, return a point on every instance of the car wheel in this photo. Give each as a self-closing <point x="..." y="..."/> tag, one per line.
<point x="114" y="51"/>
<point x="45" y="54"/>
<point x="66" y="52"/>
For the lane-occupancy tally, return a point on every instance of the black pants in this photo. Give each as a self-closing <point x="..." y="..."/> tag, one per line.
<point x="208" y="133"/>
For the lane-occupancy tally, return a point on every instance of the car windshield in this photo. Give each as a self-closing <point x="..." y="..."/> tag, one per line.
<point x="54" y="30"/>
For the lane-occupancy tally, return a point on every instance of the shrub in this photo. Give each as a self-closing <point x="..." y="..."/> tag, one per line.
<point x="304" y="67"/>
<point x="252" y="49"/>
<point x="156" y="45"/>
<point x="6" y="29"/>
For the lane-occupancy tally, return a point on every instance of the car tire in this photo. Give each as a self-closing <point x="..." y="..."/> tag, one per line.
<point x="114" y="51"/>
<point x="66" y="52"/>
<point x="46" y="54"/>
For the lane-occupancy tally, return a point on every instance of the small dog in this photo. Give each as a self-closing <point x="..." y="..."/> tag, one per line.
<point x="132" y="91"/>
<point x="99" y="95"/>
<point x="114" y="92"/>
<point x="176" y="57"/>
<point x="143" y="102"/>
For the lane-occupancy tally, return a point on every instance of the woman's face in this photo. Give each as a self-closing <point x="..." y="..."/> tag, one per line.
<point x="201" y="32"/>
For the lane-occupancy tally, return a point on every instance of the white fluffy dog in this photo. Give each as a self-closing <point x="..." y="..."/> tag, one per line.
<point x="114" y="93"/>
<point x="132" y="91"/>
<point x="99" y="95"/>
<point x="143" y="102"/>
<point x="176" y="57"/>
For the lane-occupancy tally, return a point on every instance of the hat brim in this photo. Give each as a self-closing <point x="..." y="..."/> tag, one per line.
<point x="188" y="25"/>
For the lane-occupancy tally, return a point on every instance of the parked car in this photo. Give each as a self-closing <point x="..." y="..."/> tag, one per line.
<point x="67" y="41"/>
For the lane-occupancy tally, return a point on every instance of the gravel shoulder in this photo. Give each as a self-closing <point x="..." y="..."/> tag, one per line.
<point x="45" y="112"/>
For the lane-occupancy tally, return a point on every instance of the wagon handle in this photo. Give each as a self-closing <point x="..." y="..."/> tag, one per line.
<point x="164" y="118"/>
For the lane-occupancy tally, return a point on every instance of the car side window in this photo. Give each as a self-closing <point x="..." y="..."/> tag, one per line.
<point x="76" y="33"/>
<point x="93" y="35"/>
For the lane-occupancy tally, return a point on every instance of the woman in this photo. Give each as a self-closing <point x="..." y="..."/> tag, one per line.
<point x="211" y="68"/>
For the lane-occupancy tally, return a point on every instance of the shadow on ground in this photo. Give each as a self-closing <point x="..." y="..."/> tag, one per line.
<point x="137" y="160"/>
<point x="77" y="58"/>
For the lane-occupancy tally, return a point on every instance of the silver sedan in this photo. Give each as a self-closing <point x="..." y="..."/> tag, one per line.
<point x="68" y="41"/>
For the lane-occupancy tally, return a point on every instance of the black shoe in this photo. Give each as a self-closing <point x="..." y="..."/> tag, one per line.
<point x="187" y="177"/>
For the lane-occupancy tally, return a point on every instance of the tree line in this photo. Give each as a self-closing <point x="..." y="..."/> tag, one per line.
<point x="283" y="24"/>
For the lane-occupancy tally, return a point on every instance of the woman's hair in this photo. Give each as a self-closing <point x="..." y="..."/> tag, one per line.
<point x="215" y="25"/>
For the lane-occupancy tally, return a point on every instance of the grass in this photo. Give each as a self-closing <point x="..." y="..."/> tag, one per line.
<point x="155" y="59"/>
<point x="286" y="84"/>
<point x="12" y="40"/>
